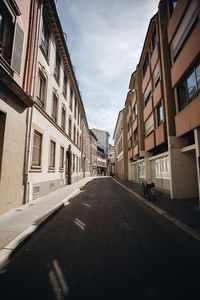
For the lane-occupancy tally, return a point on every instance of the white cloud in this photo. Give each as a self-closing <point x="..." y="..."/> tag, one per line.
<point x="105" y="39"/>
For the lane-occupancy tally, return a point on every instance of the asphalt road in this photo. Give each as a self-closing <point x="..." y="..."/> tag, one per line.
<point x="104" y="245"/>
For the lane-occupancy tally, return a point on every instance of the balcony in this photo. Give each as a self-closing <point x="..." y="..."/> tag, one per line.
<point x="190" y="114"/>
<point x="150" y="142"/>
<point x="189" y="52"/>
<point x="130" y="154"/>
<point x="157" y="94"/>
<point x="148" y="109"/>
<point x="135" y="149"/>
<point x="154" y="57"/>
<point x="160" y="134"/>
<point x="146" y="79"/>
<point x="176" y="18"/>
<point x="135" y="124"/>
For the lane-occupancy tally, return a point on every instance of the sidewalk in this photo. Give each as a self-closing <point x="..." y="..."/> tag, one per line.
<point x="20" y="222"/>
<point x="183" y="213"/>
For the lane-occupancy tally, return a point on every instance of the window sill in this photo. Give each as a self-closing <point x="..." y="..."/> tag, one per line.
<point x="51" y="170"/>
<point x="61" y="170"/>
<point x="35" y="169"/>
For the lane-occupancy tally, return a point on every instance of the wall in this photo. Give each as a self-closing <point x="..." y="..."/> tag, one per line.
<point x="12" y="168"/>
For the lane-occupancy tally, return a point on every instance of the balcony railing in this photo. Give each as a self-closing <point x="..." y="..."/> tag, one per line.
<point x="40" y="102"/>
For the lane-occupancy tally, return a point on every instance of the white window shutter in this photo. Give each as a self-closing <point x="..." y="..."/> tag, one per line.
<point x="17" y="52"/>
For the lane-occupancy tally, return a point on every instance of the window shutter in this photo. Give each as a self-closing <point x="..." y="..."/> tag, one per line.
<point x="17" y="49"/>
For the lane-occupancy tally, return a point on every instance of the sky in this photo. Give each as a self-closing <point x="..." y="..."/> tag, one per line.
<point x="105" y="40"/>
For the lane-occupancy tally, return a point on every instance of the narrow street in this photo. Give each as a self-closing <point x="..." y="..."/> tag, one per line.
<point x="104" y="245"/>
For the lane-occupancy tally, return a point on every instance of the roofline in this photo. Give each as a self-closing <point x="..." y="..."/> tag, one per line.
<point x="149" y="27"/>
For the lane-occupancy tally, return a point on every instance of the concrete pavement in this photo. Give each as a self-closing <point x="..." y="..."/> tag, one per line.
<point x="183" y="213"/>
<point x="20" y="222"/>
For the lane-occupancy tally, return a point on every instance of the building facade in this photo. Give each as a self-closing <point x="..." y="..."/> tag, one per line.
<point x="111" y="160"/>
<point x="101" y="162"/>
<point x="120" y="145"/>
<point x="103" y="141"/>
<point x="14" y="101"/>
<point x="93" y="153"/>
<point x="57" y="119"/>
<point x="163" y="129"/>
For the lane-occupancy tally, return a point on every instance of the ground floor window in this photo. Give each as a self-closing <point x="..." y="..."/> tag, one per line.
<point x="162" y="167"/>
<point x="37" y="149"/>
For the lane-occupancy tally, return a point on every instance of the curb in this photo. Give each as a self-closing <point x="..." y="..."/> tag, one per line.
<point x="164" y="214"/>
<point x="7" y="250"/>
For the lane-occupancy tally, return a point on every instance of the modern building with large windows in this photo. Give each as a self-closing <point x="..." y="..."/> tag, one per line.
<point x="163" y="108"/>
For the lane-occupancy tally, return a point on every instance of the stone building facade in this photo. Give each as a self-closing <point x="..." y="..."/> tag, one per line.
<point x="14" y="101"/>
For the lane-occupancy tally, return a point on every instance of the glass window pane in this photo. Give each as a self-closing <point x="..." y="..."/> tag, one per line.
<point x="198" y="76"/>
<point x="191" y="85"/>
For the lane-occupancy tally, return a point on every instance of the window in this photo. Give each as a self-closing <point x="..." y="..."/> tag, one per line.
<point x="61" y="158"/>
<point x="11" y="38"/>
<point x="189" y="88"/>
<point x="65" y="86"/>
<point x="77" y="141"/>
<point x="52" y="154"/>
<point x="37" y="149"/>
<point x="156" y="75"/>
<point x="159" y="113"/>
<point x="74" y="134"/>
<point x="70" y="128"/>
<point x="153" y="40"/>
<point x="63" y="119"/>
<point x="54" y="108"/>
<point x="162" y="167"/>
<point x="6" y="33"/>
<point x="45" y="38"/>
<point x="135" y="136"/>
<point x="149" y="125"/>
<point x="141" y="170"/>
<point x="78" y="117"/>
<point x="73" y="162"/>
<point x="147" y="94"/>
<point x="134" y="111"/>
<point x="185" y="28"/>
<point x="41" y="90"/>
<point x="145" y="66"/>
<point x="172" y="5"/>
<point x="71" y="99"/>
<point x="75" y="108"/>
<point x="129" y="124"/>
<point x="57" y="67"/>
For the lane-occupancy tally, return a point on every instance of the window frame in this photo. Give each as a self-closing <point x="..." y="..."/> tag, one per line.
<point x="159" y="109"/>
<point x="149" y="128"/>
<point x="45" y="40"/>
<point x="37" y="165"/>
<point x="57" y="67"/>
<point x="62" y="151"/>
<point x="147" y="94"/>
<point x="183" y="95"/>
<point x="63" y="119"/>
<point x="54" y="114"/>
<point x="52" y="155"/>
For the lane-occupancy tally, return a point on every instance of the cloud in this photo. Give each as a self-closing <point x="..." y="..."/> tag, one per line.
<point x="105" y="39"/>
